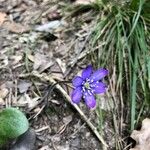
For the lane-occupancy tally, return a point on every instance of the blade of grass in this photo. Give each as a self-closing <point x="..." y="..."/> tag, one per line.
<point x="133" y="96"/>
<point x="136" y="17"/>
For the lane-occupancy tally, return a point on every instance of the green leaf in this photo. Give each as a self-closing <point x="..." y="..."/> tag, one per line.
<point x="13" y="123"/>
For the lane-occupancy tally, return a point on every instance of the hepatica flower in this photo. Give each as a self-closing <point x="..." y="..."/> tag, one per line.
<point x="88" y="85"/>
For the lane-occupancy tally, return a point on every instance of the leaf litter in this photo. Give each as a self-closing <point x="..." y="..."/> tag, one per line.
<point x="142" y="137"/>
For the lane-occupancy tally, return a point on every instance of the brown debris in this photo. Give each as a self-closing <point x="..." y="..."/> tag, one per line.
<point x="142" y="137"/>
<point x="15" y="27"/>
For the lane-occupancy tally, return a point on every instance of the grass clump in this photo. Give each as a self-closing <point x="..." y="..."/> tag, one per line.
<point x="124" y="30"/>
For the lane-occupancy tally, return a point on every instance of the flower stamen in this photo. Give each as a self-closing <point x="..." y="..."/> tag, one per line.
<point x="87" y="85"/>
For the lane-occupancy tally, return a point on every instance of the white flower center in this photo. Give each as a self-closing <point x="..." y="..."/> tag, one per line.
<point x="87" y="85"/>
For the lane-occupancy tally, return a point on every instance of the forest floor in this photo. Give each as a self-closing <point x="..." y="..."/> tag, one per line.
<point x="41" y="37"/>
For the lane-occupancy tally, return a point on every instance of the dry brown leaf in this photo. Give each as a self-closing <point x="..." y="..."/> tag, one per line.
<point x="15" y="59"/>
<point x="2" y="102"/>
<point x="84" y="2"/>
<point x="27" y="100"/>
<point x="3" y="93"/>
<point x="2" y="18"/>
<point x="15" y="27"/>
<point x="142" y="137"/>
<point x="23" y="86"/>
<point x="57" y="72"/>
<point x="31" y="102"/>
<point x="42" y="62"/>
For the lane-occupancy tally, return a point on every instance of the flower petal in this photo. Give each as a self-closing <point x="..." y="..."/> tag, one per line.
<point x="77" y="81"/>
<point x="98" y="87"/>
<point x="86" y="73"/>
<point x="76" y="95"/>
<point x="89" y="100"/>
<point x="98" y="75"/>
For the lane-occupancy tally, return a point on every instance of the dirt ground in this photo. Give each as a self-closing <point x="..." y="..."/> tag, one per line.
<point x="40" y="36"/>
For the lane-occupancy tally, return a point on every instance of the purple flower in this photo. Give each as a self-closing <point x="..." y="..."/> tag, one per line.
<point x="88" y="85"/>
